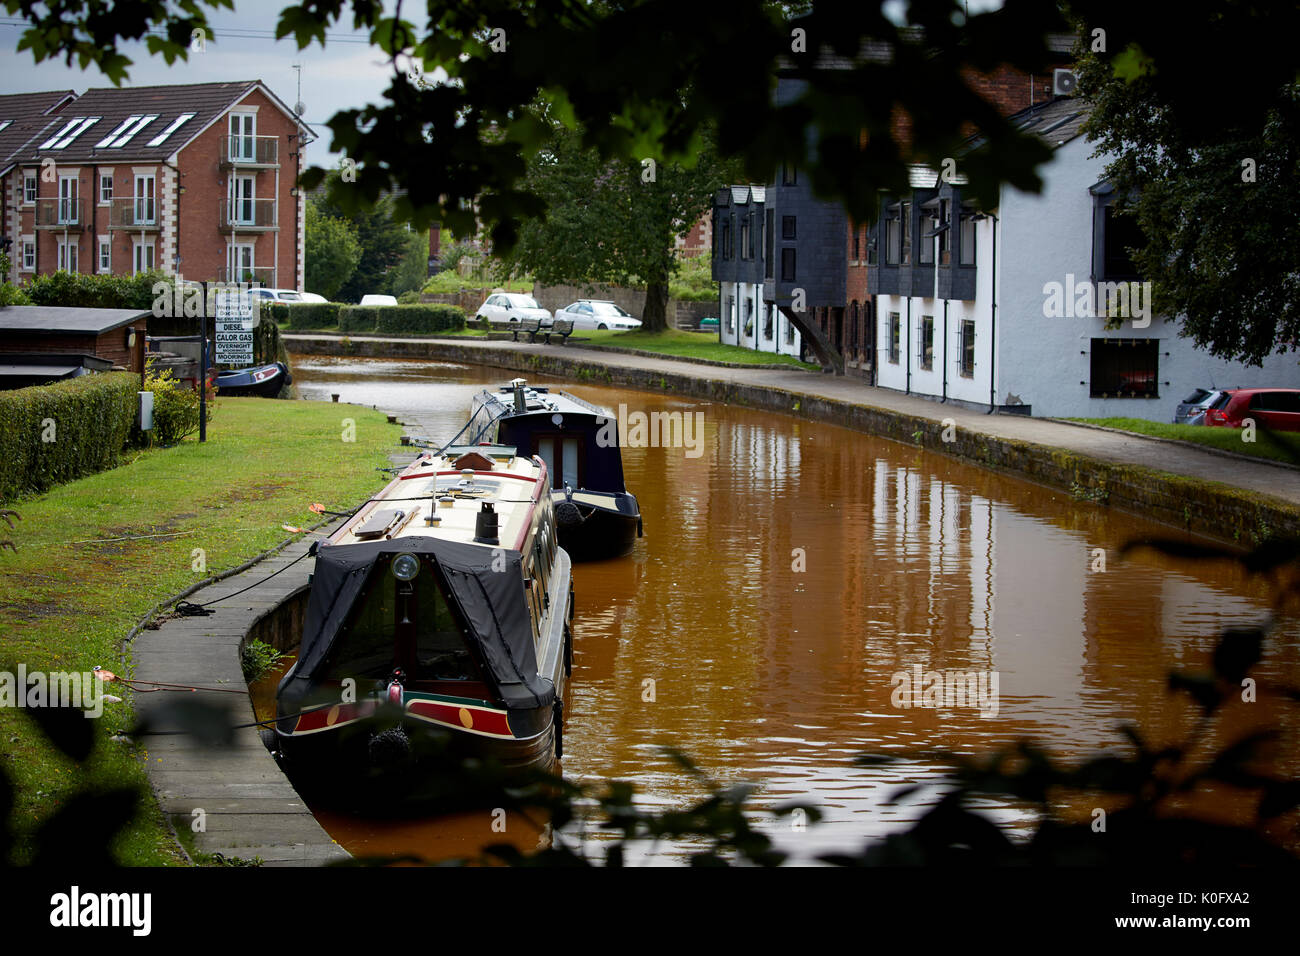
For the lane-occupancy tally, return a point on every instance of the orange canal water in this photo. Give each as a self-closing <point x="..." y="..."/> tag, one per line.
<point x="790" y="572"/>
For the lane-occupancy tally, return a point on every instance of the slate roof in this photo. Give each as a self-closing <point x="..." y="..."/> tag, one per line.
<point x="22" y="116"/>
<point x="131" y="124"/>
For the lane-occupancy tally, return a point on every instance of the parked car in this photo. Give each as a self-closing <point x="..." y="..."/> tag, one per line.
<point x="503" y="308"/>
<point x="1275" y="408"/>
<point x="595" y="314"/>
<point x="379" y="300"/>
<point x="277" y="295"/>
<point x="312" y="297"/>
<point x="1191" y="410"/>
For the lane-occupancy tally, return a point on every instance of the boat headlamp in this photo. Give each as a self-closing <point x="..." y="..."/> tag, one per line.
<point x="406" y="567"/>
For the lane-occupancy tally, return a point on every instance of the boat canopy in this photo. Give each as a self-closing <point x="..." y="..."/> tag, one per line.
<point x="491" y="602"/>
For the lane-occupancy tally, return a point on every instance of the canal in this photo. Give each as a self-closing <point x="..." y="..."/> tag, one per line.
<point x="790" y="572"/>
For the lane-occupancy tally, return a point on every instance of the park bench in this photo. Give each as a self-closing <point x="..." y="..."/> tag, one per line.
<point x="526" y="325"/>
<point x="561" y="327"/>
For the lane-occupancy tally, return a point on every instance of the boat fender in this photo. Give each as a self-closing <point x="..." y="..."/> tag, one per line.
<point x="390" y="748"/>
<point x="568" y="515"/>
<point x="558" y="723"/>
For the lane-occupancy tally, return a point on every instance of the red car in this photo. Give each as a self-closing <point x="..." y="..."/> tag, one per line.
<point x="1275" y="408"/>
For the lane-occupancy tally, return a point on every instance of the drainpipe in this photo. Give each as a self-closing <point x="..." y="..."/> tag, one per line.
<point x="993" y="323"/>
<point x="945" y="352"/>
<point x="909" y="345"/>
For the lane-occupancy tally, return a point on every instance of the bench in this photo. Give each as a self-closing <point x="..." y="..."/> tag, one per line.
<point x="561" y="327"/>
<point x="526" y="325"/>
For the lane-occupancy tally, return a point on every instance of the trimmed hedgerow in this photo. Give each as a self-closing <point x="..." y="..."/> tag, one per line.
<point x="50" y="434"/>
<point x="303" y="315"/>
<point x="397" y="319"/>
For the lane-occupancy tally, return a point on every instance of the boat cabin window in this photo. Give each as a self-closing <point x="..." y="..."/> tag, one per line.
<point x="407" y="624"/>
<point x="565" y="467"/>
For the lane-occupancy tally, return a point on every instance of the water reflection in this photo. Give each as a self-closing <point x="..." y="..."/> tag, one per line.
<point x="786" y="576"/>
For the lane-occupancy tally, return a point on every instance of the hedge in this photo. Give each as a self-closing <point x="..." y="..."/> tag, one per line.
<point x="396" y="319"/>
<point x="303" y="315"/>
<point x="95" y="291"/>
<point x="50" y="434"/>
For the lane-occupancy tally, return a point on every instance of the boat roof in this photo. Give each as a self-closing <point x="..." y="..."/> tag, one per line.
<point x="452" y="485"/>
<point x="538" y="400"/>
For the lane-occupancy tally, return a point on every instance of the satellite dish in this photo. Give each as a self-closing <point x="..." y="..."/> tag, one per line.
<point x="299" y="108"/>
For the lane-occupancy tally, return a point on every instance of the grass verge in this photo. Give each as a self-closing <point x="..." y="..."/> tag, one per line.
<point x="696" y="345"/>
<point x="1277" y="446"/>
<point x="74" y="588"/>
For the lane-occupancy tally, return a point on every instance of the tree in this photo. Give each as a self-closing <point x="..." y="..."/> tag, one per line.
<point x="412" y="269"/>
<point x="332" y="251"/>
<point x="1205" y="157"/>
<point x="614" y="221"/>
<point x="383" y="240"/>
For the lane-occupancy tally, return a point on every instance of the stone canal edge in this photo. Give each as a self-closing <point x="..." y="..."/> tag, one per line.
<point x="1226" y="497"/>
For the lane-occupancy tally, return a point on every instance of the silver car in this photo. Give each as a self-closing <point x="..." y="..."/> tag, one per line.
<point x="1191" y="410"/>
<point x="595" y="314"/>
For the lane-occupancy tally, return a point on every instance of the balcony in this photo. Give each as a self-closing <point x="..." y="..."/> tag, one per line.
<point x="137" y="213"/>
<point x="264" y="275"/>
<point x="66" y="214"/>
<point x="250" y="152"/>
<point x="249" y="215"/>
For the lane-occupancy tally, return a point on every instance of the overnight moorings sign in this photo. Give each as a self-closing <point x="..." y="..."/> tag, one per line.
<point x="234" y="329"/>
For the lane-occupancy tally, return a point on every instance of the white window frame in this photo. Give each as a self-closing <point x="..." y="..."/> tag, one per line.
<point x="104" y="246"/>
<point x="69" y="196"/>
<point x="105" y="179"/>
<point x="233" y="194"/>
<point x="242" y="130"/>
<point x="68" y="255"/>
<point x="145" y="205"/>
<point x="28" y="262"/>
<point x="30" y="189"/>
<point x="234" y="253"/>
<point x="138" y="248"/>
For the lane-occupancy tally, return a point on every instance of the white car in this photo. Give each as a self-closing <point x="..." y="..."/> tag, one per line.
<point x="379" y="300"/>
<point x="278" y="295"/>
<point x="504" y="308"/>
<point x="596" y="314"/>
<point x="312" y="297"/>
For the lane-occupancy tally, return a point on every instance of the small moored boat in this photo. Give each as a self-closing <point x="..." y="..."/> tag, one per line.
<point x="262" y="380"/>
<point x="438" y="622"/>
<point x="597" y="516"/>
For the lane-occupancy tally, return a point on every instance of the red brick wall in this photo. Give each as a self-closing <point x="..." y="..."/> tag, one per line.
<point x="202" y="244"/>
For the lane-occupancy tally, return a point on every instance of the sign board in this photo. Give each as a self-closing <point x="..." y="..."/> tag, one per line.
<point x="234" y="328"/>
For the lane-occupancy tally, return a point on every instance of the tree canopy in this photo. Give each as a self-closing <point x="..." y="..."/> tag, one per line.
<point x="1205" y="156"/>
<point x="614" y="221"/>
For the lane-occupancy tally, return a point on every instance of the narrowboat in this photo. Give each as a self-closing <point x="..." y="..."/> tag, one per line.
<point x="262" y="380"/>
<point x="579" y="442"/>
<point x="438" y="625"/>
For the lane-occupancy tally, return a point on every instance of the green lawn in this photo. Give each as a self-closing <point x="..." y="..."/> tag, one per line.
<point x="1283" y="446"/>
<point x="68" y="598"/>
<point x="698" y="345"/>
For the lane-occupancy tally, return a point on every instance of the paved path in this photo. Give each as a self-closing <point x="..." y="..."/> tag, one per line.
<point x="1108" y="446"/>
<point x="249" y="807"/>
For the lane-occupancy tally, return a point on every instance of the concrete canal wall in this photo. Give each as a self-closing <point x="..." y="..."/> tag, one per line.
<point x="1227" y="498"/>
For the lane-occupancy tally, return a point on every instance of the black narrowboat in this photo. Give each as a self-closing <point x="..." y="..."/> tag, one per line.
<point x="597" y="516"/>
<point x="261" y="380"/>
<point x="438" y="626"/>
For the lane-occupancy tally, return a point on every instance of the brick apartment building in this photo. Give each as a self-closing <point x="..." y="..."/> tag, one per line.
<point x="194" y="179"/>
<point x="802" y="242"/>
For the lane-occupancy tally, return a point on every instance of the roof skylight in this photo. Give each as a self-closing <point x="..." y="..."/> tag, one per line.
<point x="176" y="124"/>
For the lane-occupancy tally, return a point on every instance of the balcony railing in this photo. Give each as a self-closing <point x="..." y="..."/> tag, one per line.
<point x="55" y="213"/>
<point x="249" y="274"/>
<point x="133" y="212"/>
<point x="249" y="215"/>
<point x="250" y="151"/>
